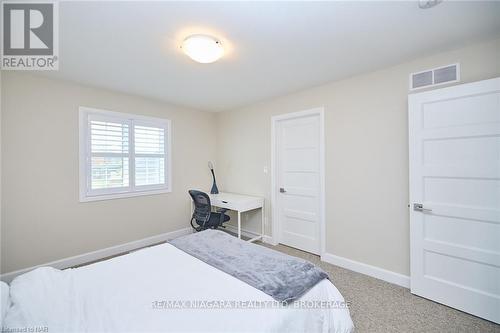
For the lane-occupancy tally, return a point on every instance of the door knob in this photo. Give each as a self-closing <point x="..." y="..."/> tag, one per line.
<point x="282" y="190"/>
<point x="420" y="208"/>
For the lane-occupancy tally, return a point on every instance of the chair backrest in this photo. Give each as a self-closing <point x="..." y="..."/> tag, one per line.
<point x="202" y="206"/>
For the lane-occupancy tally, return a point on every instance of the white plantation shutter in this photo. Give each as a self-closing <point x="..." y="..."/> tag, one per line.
<point x="149" y="155"/>
<point x="122" y="155"/>
<point x="109" y="150"/>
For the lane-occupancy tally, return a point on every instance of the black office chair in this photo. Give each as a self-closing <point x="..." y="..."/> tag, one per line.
<point x="203" y="215"/>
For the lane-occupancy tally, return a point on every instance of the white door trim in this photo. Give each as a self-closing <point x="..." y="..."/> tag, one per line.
<point x="320" y="111"/>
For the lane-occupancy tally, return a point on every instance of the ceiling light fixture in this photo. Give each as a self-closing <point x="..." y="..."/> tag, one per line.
<point x="424" y="4"/>
<point x="202" y="48"/>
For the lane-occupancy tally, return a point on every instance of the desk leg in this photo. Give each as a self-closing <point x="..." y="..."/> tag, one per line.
<point x="239" y="225"/>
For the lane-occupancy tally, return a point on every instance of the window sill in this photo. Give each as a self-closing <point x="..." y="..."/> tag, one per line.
<point x="85" y="198"/>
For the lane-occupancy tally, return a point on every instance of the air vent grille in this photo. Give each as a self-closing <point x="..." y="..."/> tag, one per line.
<point x="445" y="74"/>
<point x="434" y="77"/>
<point x="422" y="79"/>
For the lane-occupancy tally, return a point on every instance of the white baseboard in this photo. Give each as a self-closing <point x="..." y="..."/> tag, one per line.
<point x="100" y="254"/>
<point x="269" y="240"/>
<point x="376" y="272"/>
<point x="244" y="232"/>
<point x="250" y="234"/>
<point x="356" y="266"/>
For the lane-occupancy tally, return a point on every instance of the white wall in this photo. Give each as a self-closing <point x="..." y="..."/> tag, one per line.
<point x="366" y="153"/>
<point x="42" y="218"/>
<point x="1" y="108"/>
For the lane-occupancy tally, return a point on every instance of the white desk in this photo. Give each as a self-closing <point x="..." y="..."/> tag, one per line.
<point x="239" y="203"/>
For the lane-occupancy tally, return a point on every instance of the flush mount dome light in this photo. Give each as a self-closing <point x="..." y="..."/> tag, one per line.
<point x="425" y="4"/>
<point x="202" y="48"/>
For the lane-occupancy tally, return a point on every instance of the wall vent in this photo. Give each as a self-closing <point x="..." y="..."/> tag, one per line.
<point x="435" y="76"/>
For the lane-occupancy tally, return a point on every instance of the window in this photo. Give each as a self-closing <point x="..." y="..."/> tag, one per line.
<point x="123" y="155"/>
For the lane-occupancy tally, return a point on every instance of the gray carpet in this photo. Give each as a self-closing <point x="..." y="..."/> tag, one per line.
<point x="378" y="306"/>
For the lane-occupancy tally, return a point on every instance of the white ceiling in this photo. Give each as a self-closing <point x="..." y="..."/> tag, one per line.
<point x="273" y="48"/>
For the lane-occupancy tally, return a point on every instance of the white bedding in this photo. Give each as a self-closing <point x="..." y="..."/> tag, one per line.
<point x="4" y="301"/>
<point x="119" y="295"/>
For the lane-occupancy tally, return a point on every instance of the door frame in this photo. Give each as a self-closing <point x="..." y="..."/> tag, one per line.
<point x="319" y="111"/>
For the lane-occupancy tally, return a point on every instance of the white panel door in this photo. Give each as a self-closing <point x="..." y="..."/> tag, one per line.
<point x="298" y="180"/>
<point x="454" y="142"/>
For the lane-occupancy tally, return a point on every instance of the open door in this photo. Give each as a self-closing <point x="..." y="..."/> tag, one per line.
<point x="454" y="142"/>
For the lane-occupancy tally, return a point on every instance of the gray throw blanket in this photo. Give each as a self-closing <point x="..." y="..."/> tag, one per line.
<point x="283" y="277"/>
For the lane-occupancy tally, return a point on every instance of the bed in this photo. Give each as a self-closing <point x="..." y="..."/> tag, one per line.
<point x="163" y="289"/>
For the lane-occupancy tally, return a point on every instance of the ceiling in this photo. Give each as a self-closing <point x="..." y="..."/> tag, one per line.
<point x="272" y="48"/>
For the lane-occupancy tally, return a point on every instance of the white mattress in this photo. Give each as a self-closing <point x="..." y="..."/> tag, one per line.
<point x="120" y="295"/>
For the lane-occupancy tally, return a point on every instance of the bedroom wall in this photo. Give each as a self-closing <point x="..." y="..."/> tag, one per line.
<point x="366" y="153"/>
<point x="42" y="218"/>
<point x="1" y="73"/>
